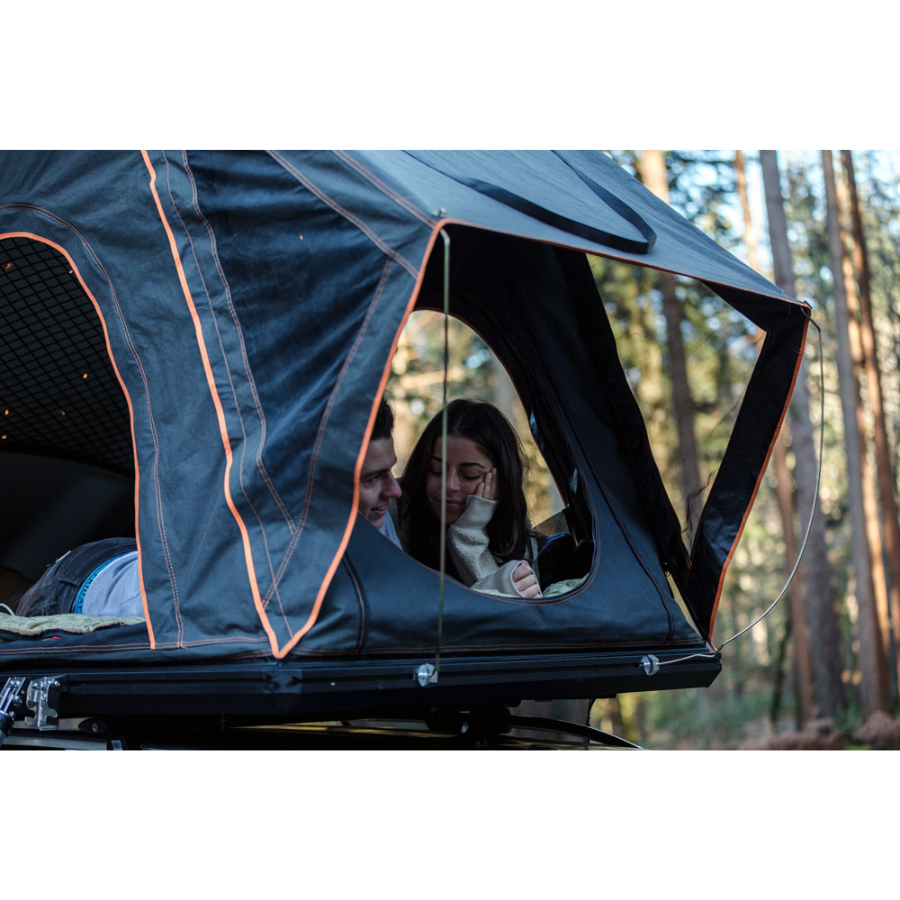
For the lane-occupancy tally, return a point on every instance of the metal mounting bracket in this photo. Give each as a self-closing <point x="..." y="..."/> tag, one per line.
<point x="650" y="664"/>
<point x="11" y="697"/>
<point x="38" y="700"/>
<point x="426" y="674"/>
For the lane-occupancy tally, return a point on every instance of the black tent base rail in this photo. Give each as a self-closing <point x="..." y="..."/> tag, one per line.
<point x="213" y="696"/>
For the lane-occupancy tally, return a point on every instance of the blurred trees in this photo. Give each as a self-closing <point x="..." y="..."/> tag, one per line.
<point x="797" y="632"/>
<point x="882" y="443"/>
<point x="819" y="634"/>
<point x="652" y="167"/>
<point x="871" y="661"/>
<point x="847" y="639"/>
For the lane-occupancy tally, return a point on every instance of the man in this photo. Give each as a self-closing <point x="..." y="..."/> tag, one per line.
<point x="377" y="485"/>
<point x="101" y="578"/>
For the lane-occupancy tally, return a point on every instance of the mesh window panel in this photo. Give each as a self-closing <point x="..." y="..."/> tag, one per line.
<point x="59" y="395"/>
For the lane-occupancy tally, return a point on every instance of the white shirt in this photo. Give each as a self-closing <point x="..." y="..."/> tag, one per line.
<point x="388" y="530"/>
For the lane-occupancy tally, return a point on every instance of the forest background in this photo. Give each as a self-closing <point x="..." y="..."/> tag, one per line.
<point x="820" y="670"/>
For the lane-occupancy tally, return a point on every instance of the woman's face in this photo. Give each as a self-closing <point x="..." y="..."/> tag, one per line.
<point x="467" y="465"/>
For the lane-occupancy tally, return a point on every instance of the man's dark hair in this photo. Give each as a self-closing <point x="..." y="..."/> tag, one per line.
<point x="384" y="423"/>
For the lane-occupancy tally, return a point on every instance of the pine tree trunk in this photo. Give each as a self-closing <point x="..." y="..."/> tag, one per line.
<point x="871" y="662"/>
<point x="650" y="390"/>
<point x="740" y="171"/>
<point x="653" y="170"/>
<point x="870" y="492"/>
<point x="801" y="659"/>
<point x="821" y="622"/>
<point x="883" y="456"/>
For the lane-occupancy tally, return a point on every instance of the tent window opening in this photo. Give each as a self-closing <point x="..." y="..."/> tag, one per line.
<point x="66" y="457"/>
<point x="474" y="372"/>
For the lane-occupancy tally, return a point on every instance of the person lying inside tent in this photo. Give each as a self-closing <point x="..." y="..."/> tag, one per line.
<point x="97" y="579"/>
<point x="490" y="544"/>
<point x="101" y="578"/>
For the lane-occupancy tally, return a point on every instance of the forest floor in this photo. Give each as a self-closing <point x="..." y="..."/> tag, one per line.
<point x="880" y="732"/>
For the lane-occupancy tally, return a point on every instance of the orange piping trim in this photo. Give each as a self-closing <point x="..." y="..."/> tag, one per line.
<point x="385" y="374"/>
<point x="712" y="618"/>
<point x="112" y="359"/>
<point x="220" y="413"/>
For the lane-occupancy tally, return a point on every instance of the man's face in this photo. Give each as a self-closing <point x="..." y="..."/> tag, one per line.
<point x="376" y="483"/>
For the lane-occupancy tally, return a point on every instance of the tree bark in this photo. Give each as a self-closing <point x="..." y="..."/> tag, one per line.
<point x="740" y="170"/>
<point x="801" y="663"/>
<point x="872" y="666"/>
<point x="653" y="170"/>
<point x="821" y="622"/>
<point x="870" y="492"/>
<point x="883" y="455"/>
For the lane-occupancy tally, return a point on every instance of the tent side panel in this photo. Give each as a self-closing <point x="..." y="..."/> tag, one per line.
<point x="99" y="208"/>
<point x="300" y="308"/>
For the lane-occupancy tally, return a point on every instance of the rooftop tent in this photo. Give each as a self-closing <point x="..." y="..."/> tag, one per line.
<point x="235" y="314"/>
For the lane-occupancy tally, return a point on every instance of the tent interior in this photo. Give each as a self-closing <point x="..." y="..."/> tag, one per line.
<point x="68" y="465"/>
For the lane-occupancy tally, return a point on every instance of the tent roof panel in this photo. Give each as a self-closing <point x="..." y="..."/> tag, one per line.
<point x="450" y="185"/>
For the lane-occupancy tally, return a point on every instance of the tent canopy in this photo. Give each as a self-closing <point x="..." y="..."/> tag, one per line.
<point x="219" y="326"/>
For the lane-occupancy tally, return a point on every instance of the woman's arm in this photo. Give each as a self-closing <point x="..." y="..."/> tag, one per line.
<point x="513" y="579"/>
<point x="467" y="541"/>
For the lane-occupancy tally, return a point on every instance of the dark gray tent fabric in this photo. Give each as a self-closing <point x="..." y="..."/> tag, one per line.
<point x="250" y="303"/>
<point x="551" y="180"/>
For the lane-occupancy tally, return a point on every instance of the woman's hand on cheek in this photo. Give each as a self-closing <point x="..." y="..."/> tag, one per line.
<point x="525" y="582"/>
<point x="487" y="489"/>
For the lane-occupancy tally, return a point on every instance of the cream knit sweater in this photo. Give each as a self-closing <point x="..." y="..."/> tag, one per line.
<point x="467" y="544"/>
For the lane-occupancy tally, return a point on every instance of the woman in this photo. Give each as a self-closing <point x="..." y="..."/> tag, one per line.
<point x="490" y="546"/>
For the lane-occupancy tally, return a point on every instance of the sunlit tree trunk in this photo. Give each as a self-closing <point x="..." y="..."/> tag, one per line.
<point x="784" y="495"/>
<point x="650" y="390"/>
<point x="740" y="171"/>
<point x="653" y="171"/>
<point x="884" y="457"/>
<point x="870" y="492"/>
<point x="819" y="607"/>
<point x="872" y="665"/>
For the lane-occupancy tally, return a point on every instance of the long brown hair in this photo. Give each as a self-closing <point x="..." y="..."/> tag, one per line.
<point x="509" y="536"/>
